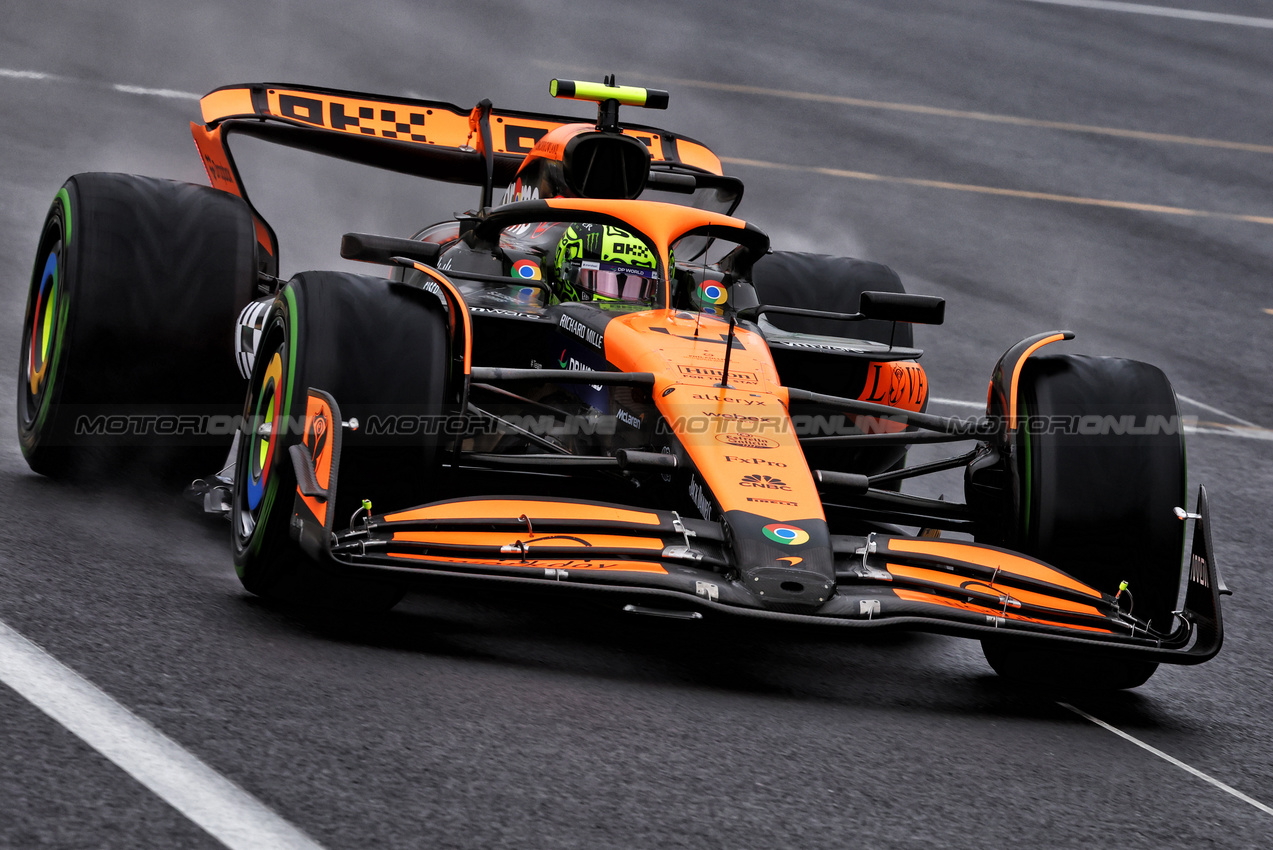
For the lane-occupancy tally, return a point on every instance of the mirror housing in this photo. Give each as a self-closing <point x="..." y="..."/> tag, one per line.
<point x="369" y="248"/>
<point x="902" y="307"/>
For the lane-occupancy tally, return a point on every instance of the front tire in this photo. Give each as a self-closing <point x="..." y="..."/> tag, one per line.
<point x="1060" y="671"/>
<point x="380" y="351"/>
<point x="1101" y="466"/>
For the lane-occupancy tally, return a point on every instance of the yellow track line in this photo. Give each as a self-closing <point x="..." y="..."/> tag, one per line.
<point x="992" y="190"/>
<point x="919" y="109"/>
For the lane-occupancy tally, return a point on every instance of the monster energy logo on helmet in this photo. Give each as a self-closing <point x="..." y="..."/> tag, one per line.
<point x="596" y="261"/>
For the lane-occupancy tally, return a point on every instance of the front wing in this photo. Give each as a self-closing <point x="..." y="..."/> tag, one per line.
<point x="679" y="567"/>
<point x="682" y="567"/>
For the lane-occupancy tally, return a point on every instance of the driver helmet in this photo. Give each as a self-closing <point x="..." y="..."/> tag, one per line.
<point x="600" y="262"/>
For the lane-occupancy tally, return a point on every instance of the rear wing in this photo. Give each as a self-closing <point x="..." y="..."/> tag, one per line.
<point x="423" y="138"/>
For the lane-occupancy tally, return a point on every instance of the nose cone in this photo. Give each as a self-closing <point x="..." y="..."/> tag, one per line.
<point x="787" y="566"/>
<point x="793" y="591"/>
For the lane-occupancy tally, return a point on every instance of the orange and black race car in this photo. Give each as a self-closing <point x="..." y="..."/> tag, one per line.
<point x="605" y="381"/>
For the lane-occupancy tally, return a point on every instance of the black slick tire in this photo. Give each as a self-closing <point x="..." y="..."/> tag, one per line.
<point x="821" y="282"/>
<point x="380" y="350"/>
<point x="127" y="359"/>
<point x="1101" y="466"/>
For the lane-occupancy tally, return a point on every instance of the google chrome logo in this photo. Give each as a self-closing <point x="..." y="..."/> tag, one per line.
<point x="713" y="293"/>
<point x="526" y="270"/>
<point x="787" y="535"/>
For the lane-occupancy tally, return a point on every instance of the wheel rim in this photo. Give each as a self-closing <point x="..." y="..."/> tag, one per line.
<point x="41" y="335"/>
<point x="262" y="436"/>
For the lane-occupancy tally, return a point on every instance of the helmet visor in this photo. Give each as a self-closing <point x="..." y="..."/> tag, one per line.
<point x="613" y="281"/>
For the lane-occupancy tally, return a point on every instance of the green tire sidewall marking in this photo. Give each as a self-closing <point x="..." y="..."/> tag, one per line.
<point x="290" y="295"/>
<point x="63" y="311"/>
<point x="271" y="487"/>
<point x="65" y="197"/>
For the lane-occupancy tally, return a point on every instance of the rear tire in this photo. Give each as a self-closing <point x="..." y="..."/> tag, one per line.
<point x="1098" y="504"/>
<point x="379" y="351"/>
<point x="130" y="315"/>
<point x="821" y="282"/>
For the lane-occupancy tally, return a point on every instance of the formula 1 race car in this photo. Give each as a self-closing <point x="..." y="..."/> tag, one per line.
<point x="604" y="382"/>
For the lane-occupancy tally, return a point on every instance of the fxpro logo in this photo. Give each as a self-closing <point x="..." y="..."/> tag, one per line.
<point x="755" y="461"/>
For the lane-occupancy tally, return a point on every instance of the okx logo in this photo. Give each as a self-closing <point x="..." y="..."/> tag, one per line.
<point x="764" y="482"/>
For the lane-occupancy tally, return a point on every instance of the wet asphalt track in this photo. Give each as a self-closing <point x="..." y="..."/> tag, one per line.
<point x="487" y="723"/>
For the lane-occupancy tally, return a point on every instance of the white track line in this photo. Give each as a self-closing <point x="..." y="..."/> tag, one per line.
<point x="19" y="74"/>
<point x="174" y="93"/>
<point x="1234" y="431"/>
<point x="1163" y="12"/>
<point x="1228" y="789"/>
<point x="26" y="75"/>
<point x="1250" y="431"/>
<point x="1216" y="411"/>
<point x="227" y="812"/>
<point x="957" y="402"/>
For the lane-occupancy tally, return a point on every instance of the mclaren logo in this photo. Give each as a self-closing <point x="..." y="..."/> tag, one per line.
<point x="628" y="418"/>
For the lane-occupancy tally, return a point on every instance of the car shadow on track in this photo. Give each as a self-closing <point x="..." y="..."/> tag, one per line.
<point x="544" y="633"/>
<point x="566" y="637"/>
